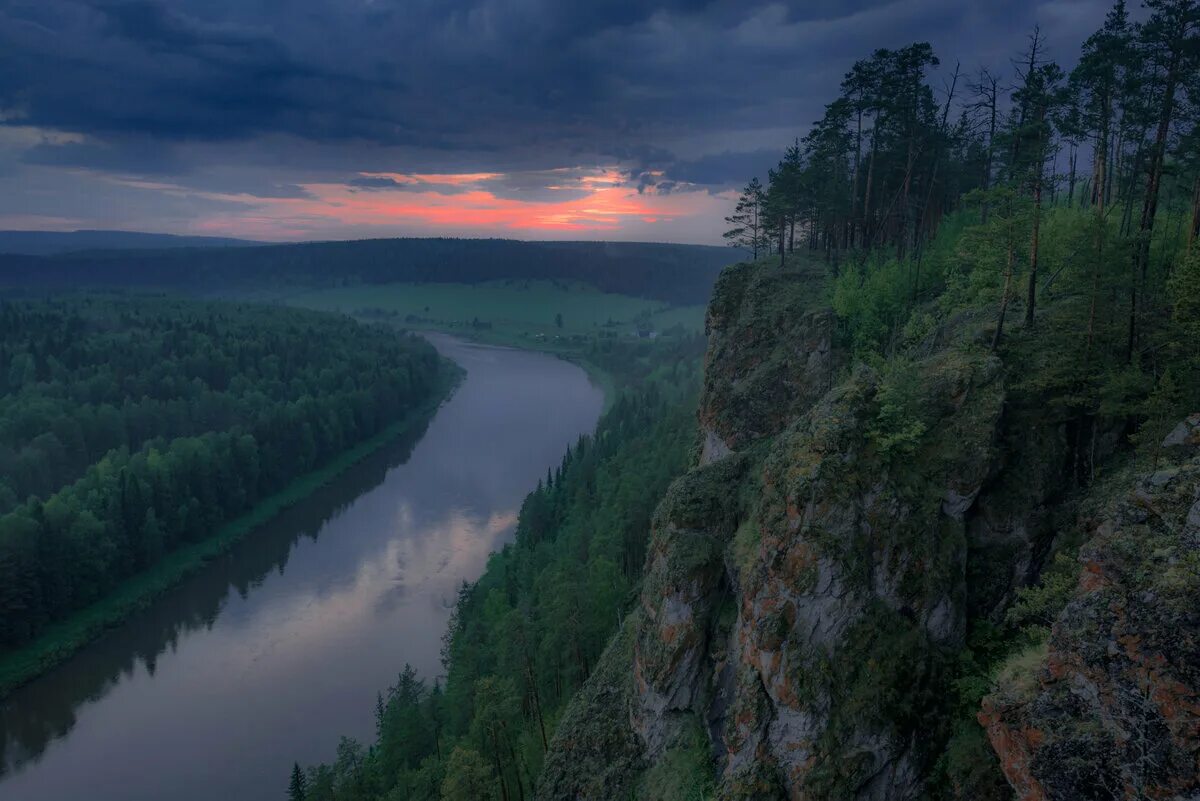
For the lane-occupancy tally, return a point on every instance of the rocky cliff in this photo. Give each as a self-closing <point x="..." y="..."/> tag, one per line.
<point x="1109" y="708"/>
<point x="810" y="581"/>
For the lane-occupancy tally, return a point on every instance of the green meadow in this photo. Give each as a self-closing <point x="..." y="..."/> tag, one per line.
<point x="505" y="311"/>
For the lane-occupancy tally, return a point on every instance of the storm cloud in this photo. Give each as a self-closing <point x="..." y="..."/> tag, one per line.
<point x="281" y="96"/>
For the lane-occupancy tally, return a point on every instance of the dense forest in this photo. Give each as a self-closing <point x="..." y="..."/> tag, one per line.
<point x="48" y="243"/>
<point x="130" y="425"/>
<point x="674" y="273"/>
<point x="1011" y="187"/>
<point x="524" y="637"/>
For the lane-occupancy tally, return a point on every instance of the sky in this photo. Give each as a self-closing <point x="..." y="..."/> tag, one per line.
<point x="289" y="120"/>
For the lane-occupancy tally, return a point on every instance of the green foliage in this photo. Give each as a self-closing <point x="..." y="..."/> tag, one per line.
<point x="1183" y="290"/>
<point x="298" y="786"/>
<point x="745" y="544"/>
<point x="898" y="425"/>
<point x="1039" y="604"/>
<point x="748" y="229"/>
<point x="468" y="777"/>
<point x="513" y="310"/>
<point x="136" y="426"/>
<point x="683" y="773"/>
<point x="968" y="767"/>
<point x="872" y="301"/>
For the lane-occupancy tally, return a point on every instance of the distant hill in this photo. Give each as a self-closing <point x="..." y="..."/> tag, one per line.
<point x="673" y="273"/>
<point x="46" y="243"/>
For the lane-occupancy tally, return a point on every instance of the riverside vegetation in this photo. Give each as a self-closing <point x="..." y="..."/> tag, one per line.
<point x="140" y="434"/>
<point x="937" y="536"/>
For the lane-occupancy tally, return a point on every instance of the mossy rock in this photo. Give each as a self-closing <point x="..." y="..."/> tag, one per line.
<point x="594" y="754"/>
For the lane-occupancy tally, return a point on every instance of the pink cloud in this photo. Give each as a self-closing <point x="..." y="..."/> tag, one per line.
<point x="609" y="208"/>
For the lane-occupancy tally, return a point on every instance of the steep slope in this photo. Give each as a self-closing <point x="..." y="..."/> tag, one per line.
<point x="1110" y="707"/>
<point x="810" y="583"/>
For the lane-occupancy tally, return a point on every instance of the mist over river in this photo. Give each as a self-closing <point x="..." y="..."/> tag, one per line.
<point x="270" y="653"/>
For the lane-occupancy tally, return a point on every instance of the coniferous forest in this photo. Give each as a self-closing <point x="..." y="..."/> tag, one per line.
<point x="130" y="425"/>
<point x="958" y="185"/>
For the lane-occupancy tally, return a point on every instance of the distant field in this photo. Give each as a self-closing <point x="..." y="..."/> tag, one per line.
<point x="510" y="309"/>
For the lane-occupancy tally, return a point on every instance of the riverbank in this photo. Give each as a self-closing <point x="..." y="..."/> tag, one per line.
<point x="606" y="381"/>
<point x="541" y="316"/>
<point x="64" y="638"/>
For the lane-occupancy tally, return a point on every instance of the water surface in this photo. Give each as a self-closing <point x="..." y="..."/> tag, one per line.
<point x="269" y="654"/>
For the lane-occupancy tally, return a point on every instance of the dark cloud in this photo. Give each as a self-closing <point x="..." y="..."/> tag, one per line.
<point x="680" y="93"/>
<point x="375" y="183"/>
<point x="439" y="73"/>
<point x="712" y="172"/>
<point x="139" y="156"/>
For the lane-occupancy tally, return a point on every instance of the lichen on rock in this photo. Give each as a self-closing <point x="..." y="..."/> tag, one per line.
<point x="1111" y="710"/>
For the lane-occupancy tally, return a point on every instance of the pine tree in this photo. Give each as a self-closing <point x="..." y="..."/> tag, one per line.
<point x="747" y="219"/>
<point x="298" y="786"/>
<point x="1170" y="42"/>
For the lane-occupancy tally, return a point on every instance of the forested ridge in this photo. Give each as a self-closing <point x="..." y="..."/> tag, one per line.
<point x="130" y="425"/>
<point x="673" y="273"/>
<point x="46" y="243"/>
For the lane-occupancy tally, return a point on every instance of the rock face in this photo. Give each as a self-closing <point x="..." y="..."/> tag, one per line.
<point x="771" y="355"/>
<point x="1112" y="710"/>
<point x="808" y="582"/>
<point x="594" y="755"/>
<point x="807" y="616"/>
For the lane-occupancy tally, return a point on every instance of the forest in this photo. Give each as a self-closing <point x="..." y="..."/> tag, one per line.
<point x="1013" y="188"/>
<point x="524" y="637"/>
<point x="681" y="274"/>
<point x="133" y="424"/>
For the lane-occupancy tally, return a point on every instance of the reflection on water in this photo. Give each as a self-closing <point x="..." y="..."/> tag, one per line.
<point x="273" y="651"/>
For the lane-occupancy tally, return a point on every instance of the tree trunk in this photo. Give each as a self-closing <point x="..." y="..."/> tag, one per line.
<point x="1008" y="278"/>
<point x="1150" y="203"/>
<point x="499" y="767"/>
<point x="1091" y="338"/>
<point x="512" y="754"/>
<point x="537" y="701"/>
<point x="857" y="168"/>
<point x="1135" y="169"/>
<point x="866" y="220"/>
<point x="1071" y="180"/>
<point x="990" y="93"/>
<point x="1033" y="254"/>
<point x="1194" y="230"/>
<point x="782" y="252"/>
<point x="1113" y="158"/>
<point x="1031" y="302"/>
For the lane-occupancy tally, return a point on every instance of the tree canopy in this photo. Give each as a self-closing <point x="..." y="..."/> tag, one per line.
<point x="131" y="425"/>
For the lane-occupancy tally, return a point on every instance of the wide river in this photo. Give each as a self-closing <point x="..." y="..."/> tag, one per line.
<point x="270" y="654"/>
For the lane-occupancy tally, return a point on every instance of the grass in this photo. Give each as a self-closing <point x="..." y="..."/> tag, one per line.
<point x="62" y="639"/>
<point x="513" y="313"/>
<point x="683" y="773"/>
<point x="1017" y="677"/>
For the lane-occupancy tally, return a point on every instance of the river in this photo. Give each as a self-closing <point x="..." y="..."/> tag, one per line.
<point x="271" y="653"/>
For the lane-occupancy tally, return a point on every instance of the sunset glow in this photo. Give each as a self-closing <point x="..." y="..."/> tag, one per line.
<point x="596" y="201"/>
